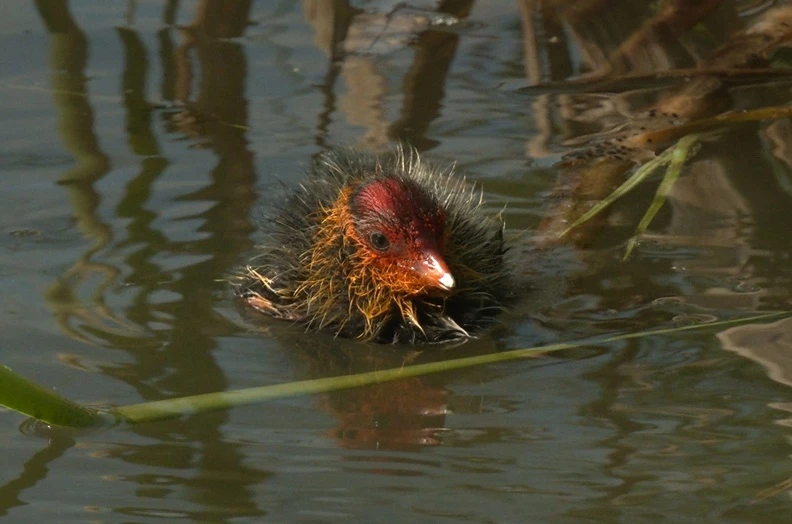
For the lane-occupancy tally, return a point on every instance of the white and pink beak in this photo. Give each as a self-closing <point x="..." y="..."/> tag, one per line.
<point x="433" y="271"/>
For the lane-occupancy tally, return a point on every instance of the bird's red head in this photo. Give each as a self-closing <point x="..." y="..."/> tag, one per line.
<point x="401" y="231"/>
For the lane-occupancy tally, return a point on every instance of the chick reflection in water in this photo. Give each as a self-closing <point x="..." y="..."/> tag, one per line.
<point x="381" y="248"/>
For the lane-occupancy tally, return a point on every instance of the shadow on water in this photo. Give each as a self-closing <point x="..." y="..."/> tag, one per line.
<point x="602" y="86"/>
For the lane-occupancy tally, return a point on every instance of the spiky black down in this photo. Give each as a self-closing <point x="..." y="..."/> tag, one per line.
<point x="474" y="252"/>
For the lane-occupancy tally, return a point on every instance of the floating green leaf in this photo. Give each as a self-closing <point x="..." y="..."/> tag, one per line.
<point x="19" y="394"/>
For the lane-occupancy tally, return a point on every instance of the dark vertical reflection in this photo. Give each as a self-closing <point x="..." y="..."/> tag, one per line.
<point x="214" y="113"/>
<point x="35" y="470"/>
<point x="424" y="83"/>
<point x="68" y="59"/>
<point x="169" y="12"/>
<point x="612" y="383"/>
<point x="221" y="99"/>
<point x="166" y="52"/>
<point x="143" y="142"/>
<point x="543" y="62"/>
<point x="348" y="41"/>
<point x="330" y="20"/>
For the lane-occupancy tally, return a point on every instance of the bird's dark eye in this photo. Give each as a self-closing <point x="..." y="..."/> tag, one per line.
<point x="379" y="241"/>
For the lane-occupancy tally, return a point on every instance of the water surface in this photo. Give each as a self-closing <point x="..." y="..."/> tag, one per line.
<point x="141" y="141"/>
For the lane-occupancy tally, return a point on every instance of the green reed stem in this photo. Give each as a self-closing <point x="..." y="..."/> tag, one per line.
<point x="30" y="399"/>
<point x="680" y="154"/>
<point x="631" y="183"/>
<point x="165" y="409"/>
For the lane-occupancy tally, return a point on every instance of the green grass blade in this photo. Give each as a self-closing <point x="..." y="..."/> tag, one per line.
<point x="19" y="394"/>
<point x="631" y="183"/>
<point x="165" y="409"/>
<point x="30" y="399"/>
<point x="680" y="154"/>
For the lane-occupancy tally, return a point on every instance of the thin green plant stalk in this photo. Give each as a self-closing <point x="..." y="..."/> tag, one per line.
<point x="165" y="409"/>
<point x="631" y="183"/>
<point x="20" y="394"/>
<point x="684" y="149"/>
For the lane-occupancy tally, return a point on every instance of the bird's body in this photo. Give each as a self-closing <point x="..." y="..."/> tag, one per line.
<point x="383" y="248"/>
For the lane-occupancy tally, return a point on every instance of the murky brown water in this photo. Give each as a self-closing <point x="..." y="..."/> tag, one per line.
<point x="139" y="139"/>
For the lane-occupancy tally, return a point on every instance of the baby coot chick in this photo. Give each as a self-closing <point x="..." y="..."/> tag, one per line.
<point x="382" y="248"/>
